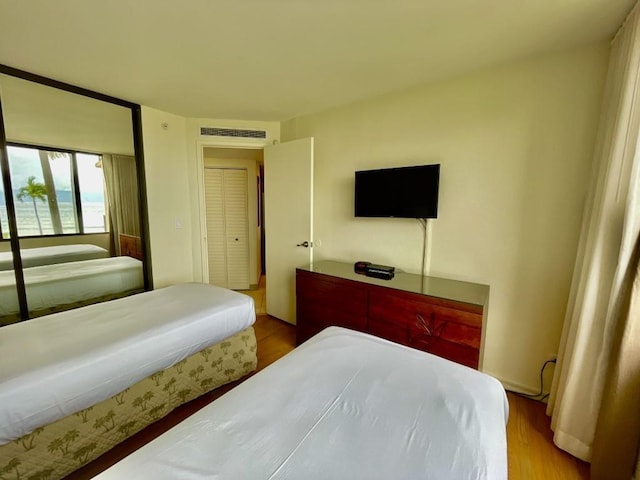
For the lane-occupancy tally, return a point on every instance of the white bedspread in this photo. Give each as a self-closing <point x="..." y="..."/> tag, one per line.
<point x="64" y="283"/>
<point x="344" y="405"/>
<point x="33" y="257"/>
<point x="56" y="365"/>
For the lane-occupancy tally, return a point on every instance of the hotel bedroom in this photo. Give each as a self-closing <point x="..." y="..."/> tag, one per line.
<point x="530" y="111"/>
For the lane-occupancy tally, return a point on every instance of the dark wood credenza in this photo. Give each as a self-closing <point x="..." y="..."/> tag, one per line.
<point x="440" y="316"/>
<point x="131" y="246"/>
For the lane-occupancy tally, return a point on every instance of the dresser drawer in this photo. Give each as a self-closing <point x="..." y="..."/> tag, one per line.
<point x="342" y="296"/>
<point x="446" y="332"/>
<point x="451" y="351"/>
<point x="320" y="304"/>
<point x="323" y="315"/>
<point x="398" y="306"/>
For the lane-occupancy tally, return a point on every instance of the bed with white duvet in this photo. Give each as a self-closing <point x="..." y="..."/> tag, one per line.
<point x="33" y="257"/>
<point x="75" y="383"/>
<point x="344" y="405"/>
<point x="64" y="284"/>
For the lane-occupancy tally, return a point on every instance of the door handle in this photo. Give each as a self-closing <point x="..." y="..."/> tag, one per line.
<point x="304" y="244"/>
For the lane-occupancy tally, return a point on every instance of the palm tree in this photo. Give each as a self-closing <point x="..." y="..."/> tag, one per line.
<point x="52" y="196"/>
<point x="183" y="394"/>
<point x="27" y="440"/>
<point x="33" y="190"/>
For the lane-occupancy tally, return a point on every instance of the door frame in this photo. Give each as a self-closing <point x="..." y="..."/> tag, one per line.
<point x="202" y="212"/>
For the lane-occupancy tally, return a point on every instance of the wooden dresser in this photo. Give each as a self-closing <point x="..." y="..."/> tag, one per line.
<point x="440" y="316"/>
<point x="131" y="246"/>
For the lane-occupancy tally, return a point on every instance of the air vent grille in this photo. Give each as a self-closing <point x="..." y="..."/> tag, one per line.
<point x="232" y="132"/>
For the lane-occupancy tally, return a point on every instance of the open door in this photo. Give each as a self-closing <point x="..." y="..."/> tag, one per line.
<point x="288" y="203"/>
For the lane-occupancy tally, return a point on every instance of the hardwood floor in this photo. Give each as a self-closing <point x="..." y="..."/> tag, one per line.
<point x="532" y="454"/>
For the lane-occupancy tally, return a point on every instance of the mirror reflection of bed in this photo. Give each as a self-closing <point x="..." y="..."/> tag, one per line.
<point x="74" y="180"/>
<point x="68" y="276"/>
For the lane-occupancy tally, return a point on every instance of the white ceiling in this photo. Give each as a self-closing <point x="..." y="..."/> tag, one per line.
<point x="276" y="59"/>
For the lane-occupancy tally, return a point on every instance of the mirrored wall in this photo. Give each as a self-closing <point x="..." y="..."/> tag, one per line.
<point x="72" y="203"/>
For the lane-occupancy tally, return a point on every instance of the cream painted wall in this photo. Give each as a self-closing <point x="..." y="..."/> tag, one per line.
<point x="168" y="197"/>
<point x="41" y="115"/>
<point x="218" y="157"/>
<point x="173" y="165"/>
<point x="195" y="145"/>
<point x="515" y="143"/>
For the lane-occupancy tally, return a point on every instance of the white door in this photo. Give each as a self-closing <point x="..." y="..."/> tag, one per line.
<point x="216" y="237"/>
<point x="288" y="221"/>
<point x="227" y="227"/>
<point x="236" y="217"/>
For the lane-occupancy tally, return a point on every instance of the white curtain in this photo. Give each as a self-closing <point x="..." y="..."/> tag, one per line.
<point x="121" y="181"/>
<point x="610" y="227"/>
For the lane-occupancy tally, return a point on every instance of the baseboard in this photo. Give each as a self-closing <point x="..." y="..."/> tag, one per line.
<point x="516" y="387"/>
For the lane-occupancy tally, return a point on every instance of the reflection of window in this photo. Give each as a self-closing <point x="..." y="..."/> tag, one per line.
<point x="4" y="220"/>
<point x="92" y="201"/>
<point x="56" y="192"/>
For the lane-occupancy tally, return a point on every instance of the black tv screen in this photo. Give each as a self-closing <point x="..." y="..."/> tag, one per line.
<point x="405" y="192"/>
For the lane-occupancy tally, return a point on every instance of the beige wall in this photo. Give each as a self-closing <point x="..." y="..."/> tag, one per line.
<point x="515" y="144"/>
<point x="173" y="164"/>
<point x="41" y="115"/>
<point x="168" y="198"/>
<point x="195" y="145"/>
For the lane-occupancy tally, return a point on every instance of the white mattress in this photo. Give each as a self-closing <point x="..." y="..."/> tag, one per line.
<point x="64" y="283"/>
<point x="56" y="365"/>
<point x="344" y="405"/>
<point x="33" y="257"/>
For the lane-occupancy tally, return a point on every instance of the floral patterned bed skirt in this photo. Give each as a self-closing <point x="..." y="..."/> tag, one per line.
<point x="57" y="449"/>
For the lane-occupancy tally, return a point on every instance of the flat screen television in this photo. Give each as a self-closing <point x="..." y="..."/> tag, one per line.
<point x="405" y="192"/>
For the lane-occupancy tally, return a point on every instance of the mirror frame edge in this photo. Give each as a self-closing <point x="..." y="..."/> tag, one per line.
<point x="138" y="148"/>
<point x="14" y="239"/>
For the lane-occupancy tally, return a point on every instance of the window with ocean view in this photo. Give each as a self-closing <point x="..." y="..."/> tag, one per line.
<point x="55" y="192"/>
<point x="92" y="198"/>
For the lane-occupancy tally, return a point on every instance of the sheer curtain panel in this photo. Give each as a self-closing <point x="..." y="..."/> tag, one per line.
<point x="121" y="181"/>
<point x="609" y="232"/>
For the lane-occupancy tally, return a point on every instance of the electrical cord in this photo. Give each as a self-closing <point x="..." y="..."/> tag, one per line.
<point x="423" y="221"/>
<point x="541" y="393"/>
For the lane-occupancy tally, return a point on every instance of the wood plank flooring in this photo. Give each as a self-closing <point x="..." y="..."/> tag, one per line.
<point x="532" y="454"/>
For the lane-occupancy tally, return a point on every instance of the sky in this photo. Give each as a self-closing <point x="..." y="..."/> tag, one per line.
<point x="25" y="162"/>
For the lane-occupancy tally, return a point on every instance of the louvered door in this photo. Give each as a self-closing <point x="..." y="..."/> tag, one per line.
<point x="227" y="227"/>
<point x="236" y="227"/>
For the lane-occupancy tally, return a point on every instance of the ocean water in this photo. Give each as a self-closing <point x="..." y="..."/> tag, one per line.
<point x="93" y="213"/>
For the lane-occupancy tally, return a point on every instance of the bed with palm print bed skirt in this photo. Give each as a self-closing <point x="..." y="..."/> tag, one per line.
<point x="76" y="383"/>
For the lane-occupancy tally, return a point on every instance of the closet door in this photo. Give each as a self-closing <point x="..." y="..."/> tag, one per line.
<point x="216" y="243"/>
<point x="237" y="228"/>
<point x="227" y="227"/>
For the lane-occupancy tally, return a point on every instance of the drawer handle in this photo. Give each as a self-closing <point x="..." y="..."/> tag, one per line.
<point x="420" y="323"/>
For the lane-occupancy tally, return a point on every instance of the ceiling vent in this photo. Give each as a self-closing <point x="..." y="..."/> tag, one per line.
<point x="232" y="133"/>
